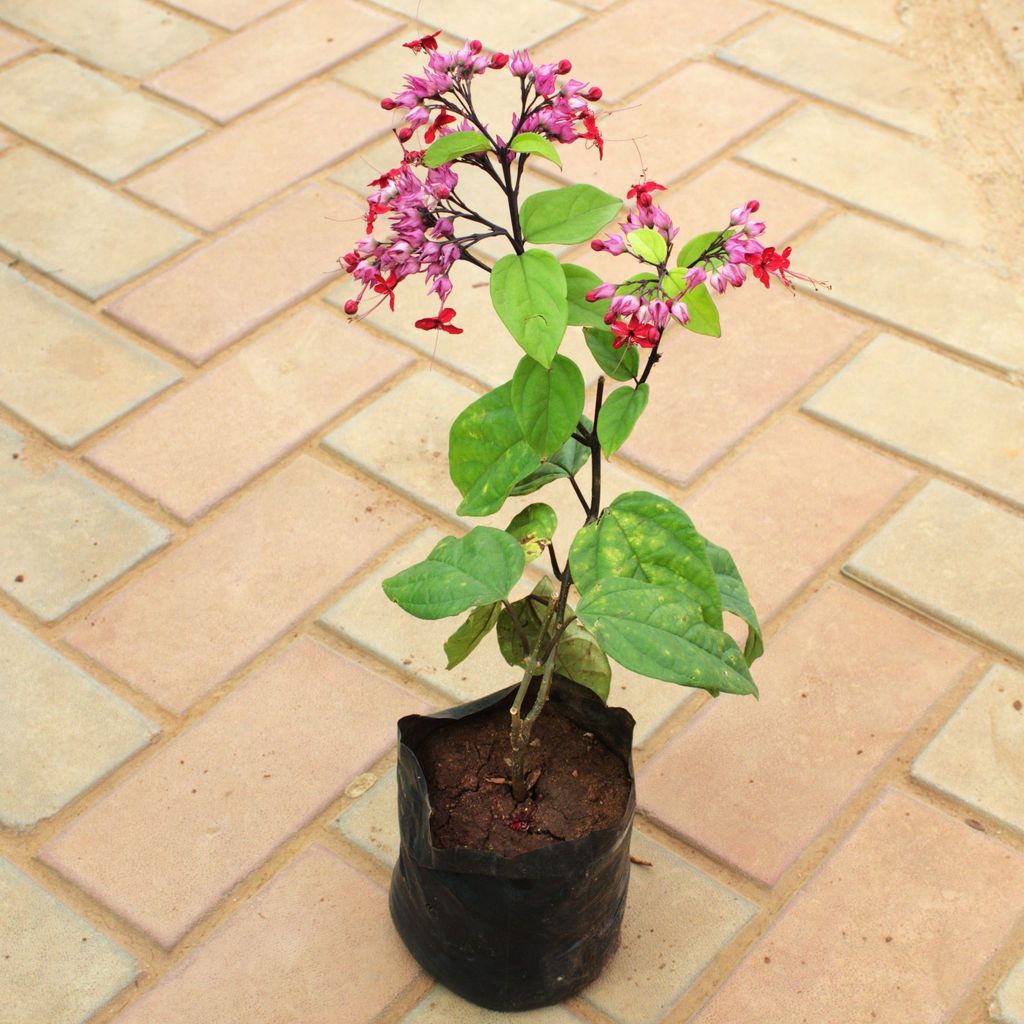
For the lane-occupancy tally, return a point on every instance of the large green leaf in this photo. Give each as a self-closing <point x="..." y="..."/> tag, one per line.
<point x="579" y="281"/>
<point x="690" y="253"/>
<point x="619" y="363"/>
<point x="703" y="313"/>
<point x="459" y="573"/>
<point x="621" y="409"/>
<point x="530" y="612"/>
<point x="566" y="462"/>
<point x="660" y="632"/>
<point x="451" y="147"/>
<point x="580" y="658"/>
<point x="533" y="528"/>
<point x="531" y="142"/>
<point x="467" y="637"/>
<point x="487" y="453"/>
<point x="565" y="216"/>
<point x="528" y="293"/>
<point x="648" y="244"/>
<point x="646" y="537"/>
<point x="548" y="402"/>
<point x="735" y="598"/>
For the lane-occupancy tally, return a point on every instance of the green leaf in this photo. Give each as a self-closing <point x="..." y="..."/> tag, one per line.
<point x="566" y="462"/>
<point x="619" y="363"/>
<point x="531" y="142"/>
<point x="703" y="314"/>
<point x="648" y="244"/>
<point x="548" y="403"/>
<point x="530" y="612"/>
<point x="694" y="248"/>
<point x="565" y="216"/>
<point x="461" y="644"/>
<point x="452" y="147"/>
<point x="660" y="632"/>
<point x="735" y="598"/>
<point x="646" y="537"/>
<point x="459" y="573"/>
<point x="579" y="281"/>
<point x="621" y="410"/>
<point x="533" y="528"/>
<point x="528" y="293"/>
<point x="579" y="657"/>
<point x="487" y="453"/>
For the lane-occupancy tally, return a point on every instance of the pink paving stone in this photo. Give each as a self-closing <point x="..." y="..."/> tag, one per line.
<point x="771" y="346"/>
<point x="229" y="14"/>
<point x="240" y="72"/>
<point x="682" y="122"/>
<point x="260" y="155"/>
<point x="170" y="841"/>
<point x="315" y="945"/>
<point x="12" y="46"/>
<point x="228" y="288"/>
<point x="225" y="427"/>
<point x="841" y="685"/>
<point x="211" y="605"/>
<point x="792" y="499"/>
<point x="893" y="928"/>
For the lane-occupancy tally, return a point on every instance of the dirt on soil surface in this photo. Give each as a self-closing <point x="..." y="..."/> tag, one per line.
<point x="578" y="784"/>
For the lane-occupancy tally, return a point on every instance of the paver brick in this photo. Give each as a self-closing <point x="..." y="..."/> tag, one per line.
<point x="132" y="37"/>
<point x="896" y="923"/>
<point x="62" y="538"/>
<point x="1008" y="1005"/>
<point x="211" y="605"/>
<point x="12" y="45"/>
<point x="840" y="69"/>
<point x="770" y="347"/>
<point x="88" y="118"/>
<point x="62" y="731"/>
<point x="229" y="14"/>
<point x="647" y="30"/>
<point x="73" y="229"/>
<point x="874" y="169"/>
<point x="225" y="427"/>
<point x="1006" y="18"/>
<point x="64" y="373"/>
<point x="933" y="409"/>
<point x="260" y="62"/>
<point x="648" y="974"/>
<point x="229" y="287"/>
<point x="441" y="1005"/>
<point x="260" y="155"/>
<point x="499" y="27"/>
<point x="210" y="807"/>
<point x="878" y="19"/>
<point x="372" y="821"/>
<point x="795" y="495"/>
<point x="845" y="681"/>
<point x="56" y="967"/>
<point x="988" y="327"/>
<point x="954" y="557"/>
<point x="976" y="755"/>
<point x="324" y="927"/>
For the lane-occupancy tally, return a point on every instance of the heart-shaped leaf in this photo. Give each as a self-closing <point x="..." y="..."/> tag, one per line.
<point x="531" y="142"/>
<point x="565" y="216"/>
<point x="703" y="313"/>
<point x="548" y="402"/>
<point x="566" y="462"/>
<point x="690" y="253"/>
<point x="533" y="528"/>
<point x="735" y="598"/>
<point x="579" y="281"/>
<point x="618" y="363"/>
<point x="529" y="295"/>
<point x="461" y="644"/>
<point x="621" y="409"/>
<point x="648" y="244"/>
<point x="580" y="658"/>
<point x="452" y="147"/>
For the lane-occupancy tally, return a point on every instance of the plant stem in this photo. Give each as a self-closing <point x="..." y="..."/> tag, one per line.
<point x="651" y="360"/>
<point x="595" y="458"/>
<point x="469" y="257"/>
<point x="579" y="494"/>
<point x="554" y="561"/>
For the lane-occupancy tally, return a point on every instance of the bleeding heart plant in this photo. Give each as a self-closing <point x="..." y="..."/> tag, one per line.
<point x="651" y="590"/>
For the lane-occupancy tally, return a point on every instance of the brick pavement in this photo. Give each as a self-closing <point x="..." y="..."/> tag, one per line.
<point x="205" y="471"/>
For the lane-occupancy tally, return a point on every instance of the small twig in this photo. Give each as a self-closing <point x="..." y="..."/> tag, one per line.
<point x="639" y="860"/>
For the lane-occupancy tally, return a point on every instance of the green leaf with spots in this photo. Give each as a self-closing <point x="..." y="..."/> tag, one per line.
<point x="648" y="244"/>
<point x="660" y="632"/>
<point x="703" y="313"/>
<point x="548" y="402"/>
<point x="528" y="294"/>
<point x="566" y="462"/>
<point x="579" y="281"/>
<point x="566" y="216"/>
<point x="461" y="644"/>
<point x="579" y="657"/>
<point x="459" y="573"/>
<point x="735" y="598"/>
<point x="643" y="536"/>
<point x="622" y="408"/>
<point x="530" y="612"/>
<point x="531" y="142"/>
<point x="618" y="363"/>
<point x="453" y="147"/>
<point x="487" y="453"/>
<point x="533" y="528"/>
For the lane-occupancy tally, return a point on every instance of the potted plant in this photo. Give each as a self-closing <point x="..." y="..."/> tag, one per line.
<point x="515" y="824"/>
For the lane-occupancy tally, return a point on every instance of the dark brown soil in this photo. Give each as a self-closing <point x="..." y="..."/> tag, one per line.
<point x="577" y="784"/>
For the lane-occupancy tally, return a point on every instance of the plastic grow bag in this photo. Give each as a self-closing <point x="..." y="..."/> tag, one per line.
<point x="511" y="933"/>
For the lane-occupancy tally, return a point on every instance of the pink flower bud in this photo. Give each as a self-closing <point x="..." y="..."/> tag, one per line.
<point x="625" y="305"/>
<point x="563" y="67"/>
<point x="498" y="60"/>
<point x="597" y="245"/>
<point x="680" y="312"/>
<point x="520" y="65"/>
<point x="404" y="134"/>
<point x="593" y="94"/>
<point x="387" y="103"/>
<point x="351" y="307"/>
<point x="695" y="276"/>
<point x="475" y="46"/>
<point x="604" y="291"/>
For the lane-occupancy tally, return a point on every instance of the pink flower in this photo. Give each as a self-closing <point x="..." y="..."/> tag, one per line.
<point x="741" y="214"/>
<point x="634" y="333"/>
<point x="441" y="322"/>
<point x="604" y="291"/>
<point x="424" y="43"/>
<point x="520" y="65"/>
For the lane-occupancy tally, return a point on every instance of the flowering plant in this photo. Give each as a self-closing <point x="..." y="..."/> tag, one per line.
<point x="640" y="584"/>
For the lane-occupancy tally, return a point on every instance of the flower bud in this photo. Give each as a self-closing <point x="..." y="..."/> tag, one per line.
<point x="498" y="60"/>
<point x="404" y="134"/>
<point x="604" y="291"/>
<point x="563" y="67"/>
<point x="387" y="103"/>
<point x="475" y="46"/>
<point x="597" y="245"/>
<point x="593" y="94"/>
<point x="351" y="307"/>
